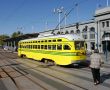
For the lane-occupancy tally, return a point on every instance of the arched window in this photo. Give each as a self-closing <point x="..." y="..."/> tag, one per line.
<point x="58" y="32"/>
<point x="78" y="31"/>
<point x="66" y="32"/>
<point x="72" y="31"/>
<point x="62" y="32"/>
<point x="92" y="29"/>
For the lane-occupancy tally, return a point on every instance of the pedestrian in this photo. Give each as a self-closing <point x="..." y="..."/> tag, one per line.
<point x="95" y="64"/>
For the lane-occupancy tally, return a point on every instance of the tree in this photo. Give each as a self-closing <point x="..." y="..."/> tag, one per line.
<point x="3" y="37"/>
<point x="16" y="34"/>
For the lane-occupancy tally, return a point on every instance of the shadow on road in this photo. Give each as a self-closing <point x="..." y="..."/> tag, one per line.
<point x="105" y="76"/>
<point x="81" y="65"/>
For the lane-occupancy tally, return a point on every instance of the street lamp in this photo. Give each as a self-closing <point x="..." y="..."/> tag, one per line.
<point x="106" y="39"/>
<point x="97" y="39"/>
<point x="59" y="11"/>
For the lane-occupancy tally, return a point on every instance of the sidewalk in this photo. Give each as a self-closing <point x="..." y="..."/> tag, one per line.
<point x="106" y="58"/>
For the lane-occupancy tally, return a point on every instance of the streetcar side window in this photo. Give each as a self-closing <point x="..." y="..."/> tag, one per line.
<point x="35" y="46"/>
<point x="49" y="47"/>
<point x="66" y="47"/>
<point x="38" y="46"/>
<point x="54" y="40"/>
<point x="59" y="40"/>
<point x="59" y="47"/>
<point x="79" y="45"/>
<point x="53" y="47"/>
<point x="45" y="46"/>
<point x="30" y="46"/>
<point x="45" y="40"/>
<point x="42" y="41"/>
<point x="38" y="41"/>
<point x="49" y="40"/>
<point x="42" y="46"/>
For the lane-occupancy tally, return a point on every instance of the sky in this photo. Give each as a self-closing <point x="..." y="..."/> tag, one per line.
<point x="34" y="16"/>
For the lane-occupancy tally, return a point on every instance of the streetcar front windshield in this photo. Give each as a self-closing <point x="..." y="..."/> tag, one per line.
<point x="79" y="45"/>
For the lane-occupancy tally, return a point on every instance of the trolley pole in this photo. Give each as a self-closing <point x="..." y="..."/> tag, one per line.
<point x="65" y="19"/>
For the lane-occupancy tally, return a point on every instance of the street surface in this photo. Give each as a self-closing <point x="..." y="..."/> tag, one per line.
<point x="27" y="74"/>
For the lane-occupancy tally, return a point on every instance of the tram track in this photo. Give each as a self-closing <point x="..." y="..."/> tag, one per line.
<point x="22" y="73"/>
<point x="77" y="76"/>
<point x="59" y="71"/>
<point x="17" y="71"/>
<point x="35" y="68"/>
<point x="30" y="68"/>
<point x="41" y="65"/>
<point x="25" y="74"/>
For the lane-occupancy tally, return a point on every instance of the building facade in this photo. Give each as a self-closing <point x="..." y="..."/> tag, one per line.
<point x="96" y="32"/>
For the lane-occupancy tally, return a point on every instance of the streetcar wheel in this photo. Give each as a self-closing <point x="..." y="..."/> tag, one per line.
<point x="54" y="63"/>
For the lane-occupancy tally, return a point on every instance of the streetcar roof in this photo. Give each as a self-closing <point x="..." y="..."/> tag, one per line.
<point x="67" y="36"/>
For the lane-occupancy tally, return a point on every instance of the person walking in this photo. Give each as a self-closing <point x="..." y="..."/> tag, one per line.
<point x="95" y="64"/>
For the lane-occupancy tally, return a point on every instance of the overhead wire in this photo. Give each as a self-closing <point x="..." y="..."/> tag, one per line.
<point x="15" y="10"/>
<point x="74" y="3"/>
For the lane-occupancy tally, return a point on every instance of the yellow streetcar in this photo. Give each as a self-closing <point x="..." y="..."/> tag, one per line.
<point x="59" y="49"/>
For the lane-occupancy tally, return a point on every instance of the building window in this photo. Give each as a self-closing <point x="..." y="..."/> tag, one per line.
<point x="107" y="23"/>
<point x="92" y="29"/>
<point x="103" y="24"/>
<point x="72" y="31"/>
<point x="58" y="32"/>
<point x="84" y="33"/>
<point x="78" y="31"/>
<point x="66" y="32"/>
<point x="92" y="33"/>
<point x="84" y="36"/>
<point x="62" y="32"/>
<point x="92" y="36"/>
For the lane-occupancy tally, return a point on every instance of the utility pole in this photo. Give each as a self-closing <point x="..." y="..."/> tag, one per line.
<point x="107" y="3"/>
<point x="59" y="11"/>
<point x="77" y="12"/>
